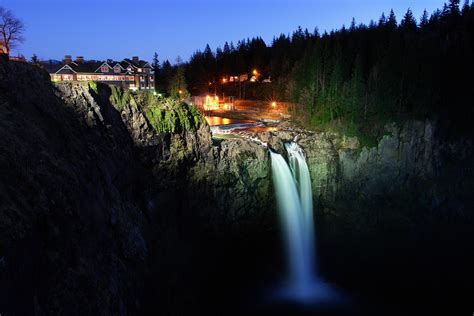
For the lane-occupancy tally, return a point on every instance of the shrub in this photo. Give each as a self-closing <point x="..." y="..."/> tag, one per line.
<point x="93" y="86"/>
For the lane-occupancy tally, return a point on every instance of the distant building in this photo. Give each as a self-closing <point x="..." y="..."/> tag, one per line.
<point x="243" y="77"/>
<point x="134" y="74"/>
<point x="213" y="103"/>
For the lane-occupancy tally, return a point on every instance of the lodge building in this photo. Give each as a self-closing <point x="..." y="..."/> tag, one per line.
<point x="133" y="74"/>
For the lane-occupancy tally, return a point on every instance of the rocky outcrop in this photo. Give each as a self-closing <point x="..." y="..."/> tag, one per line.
<point x="411" y="178"/>
<point x="233" y="190"/>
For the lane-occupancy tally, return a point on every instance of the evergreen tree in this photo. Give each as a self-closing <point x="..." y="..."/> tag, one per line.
<point x="453" y="7"/>
<point x="408" y="22"/>
<point x="465" y="8"/>
<point x="382" y="20"/>
<point x="166" y="72"/>
<point x="178" y="89"/>
<point x="156" y="63"/>
<point x="424" y="19"/>
<point x="353" y="25"/>
<point x="392" y="20"/>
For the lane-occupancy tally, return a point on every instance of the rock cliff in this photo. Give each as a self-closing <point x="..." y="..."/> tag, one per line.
<point x="108" y="198"/>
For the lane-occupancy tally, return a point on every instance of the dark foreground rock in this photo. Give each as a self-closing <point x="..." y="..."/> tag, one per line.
<point x="98" y="211"/>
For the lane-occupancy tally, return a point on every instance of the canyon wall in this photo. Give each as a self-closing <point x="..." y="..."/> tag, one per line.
<point x="102" y="214"/>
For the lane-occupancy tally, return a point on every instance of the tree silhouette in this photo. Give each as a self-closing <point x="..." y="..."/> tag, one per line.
<point x="11" y="31"/>
<point x="35" y="60"/>
<point x="424" y="19"/>
<point x="408" y="22"/>
<point x="392" y="20"/>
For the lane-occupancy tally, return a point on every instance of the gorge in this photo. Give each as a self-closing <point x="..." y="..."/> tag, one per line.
<point x="109" y="209"/>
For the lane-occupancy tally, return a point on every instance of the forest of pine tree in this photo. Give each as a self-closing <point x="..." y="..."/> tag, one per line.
<point x="361" y="75"/>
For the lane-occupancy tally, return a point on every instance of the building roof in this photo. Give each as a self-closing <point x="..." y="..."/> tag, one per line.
<point x="140" y="64"/>
<point x="87" y="66"/>
<point x="93" y="66"/>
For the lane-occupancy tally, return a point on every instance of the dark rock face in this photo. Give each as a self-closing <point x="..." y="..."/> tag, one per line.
<point x="237" y="183"/>
<point x="411" y="169"/>
<point x="96" y="207"/>
<point x="70" y="226"/>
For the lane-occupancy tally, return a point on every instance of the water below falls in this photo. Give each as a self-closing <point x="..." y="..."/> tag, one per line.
<point x="294" y="196"/>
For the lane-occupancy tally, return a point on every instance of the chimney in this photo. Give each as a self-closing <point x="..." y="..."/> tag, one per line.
<point x="67" y="59"/>
<point x="80" y="59"/>
<point x="135" y="59"/>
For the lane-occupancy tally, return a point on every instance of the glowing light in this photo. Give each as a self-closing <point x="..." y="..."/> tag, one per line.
<point x="224" y="80"/>
<point x="255" y="72"/>
<point x="180" y="91"/>
<point x="274" y="104"/>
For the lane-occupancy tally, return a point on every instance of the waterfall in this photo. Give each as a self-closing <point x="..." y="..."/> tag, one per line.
<point x="294" y="196"/>
<point x="300" y="172"/>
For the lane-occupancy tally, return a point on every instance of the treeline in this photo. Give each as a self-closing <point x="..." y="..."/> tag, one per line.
<point x="362" y="73"/>
<point x="388" y="70"/>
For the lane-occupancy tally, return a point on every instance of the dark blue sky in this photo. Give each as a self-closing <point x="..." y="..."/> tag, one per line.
<point x="100" y="29"/>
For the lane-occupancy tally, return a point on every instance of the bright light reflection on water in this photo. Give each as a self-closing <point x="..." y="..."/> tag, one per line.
<point x="219" y="120"/>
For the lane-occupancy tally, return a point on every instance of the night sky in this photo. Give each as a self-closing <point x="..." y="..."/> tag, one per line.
<point x="100" y="29"/>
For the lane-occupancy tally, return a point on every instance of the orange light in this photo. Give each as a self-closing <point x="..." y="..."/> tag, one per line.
<point x="224" y="80"/>
<point x="274" y="104"/>
<point x="180" y="91"/>
<point x="255" y="72"/>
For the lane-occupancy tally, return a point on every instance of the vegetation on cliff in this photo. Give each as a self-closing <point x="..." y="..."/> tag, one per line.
<point x="165" y="115"/>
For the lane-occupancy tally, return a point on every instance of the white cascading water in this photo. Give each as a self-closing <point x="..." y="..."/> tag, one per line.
<point x="301" y="176"/>
<point x="294" y="196"/>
